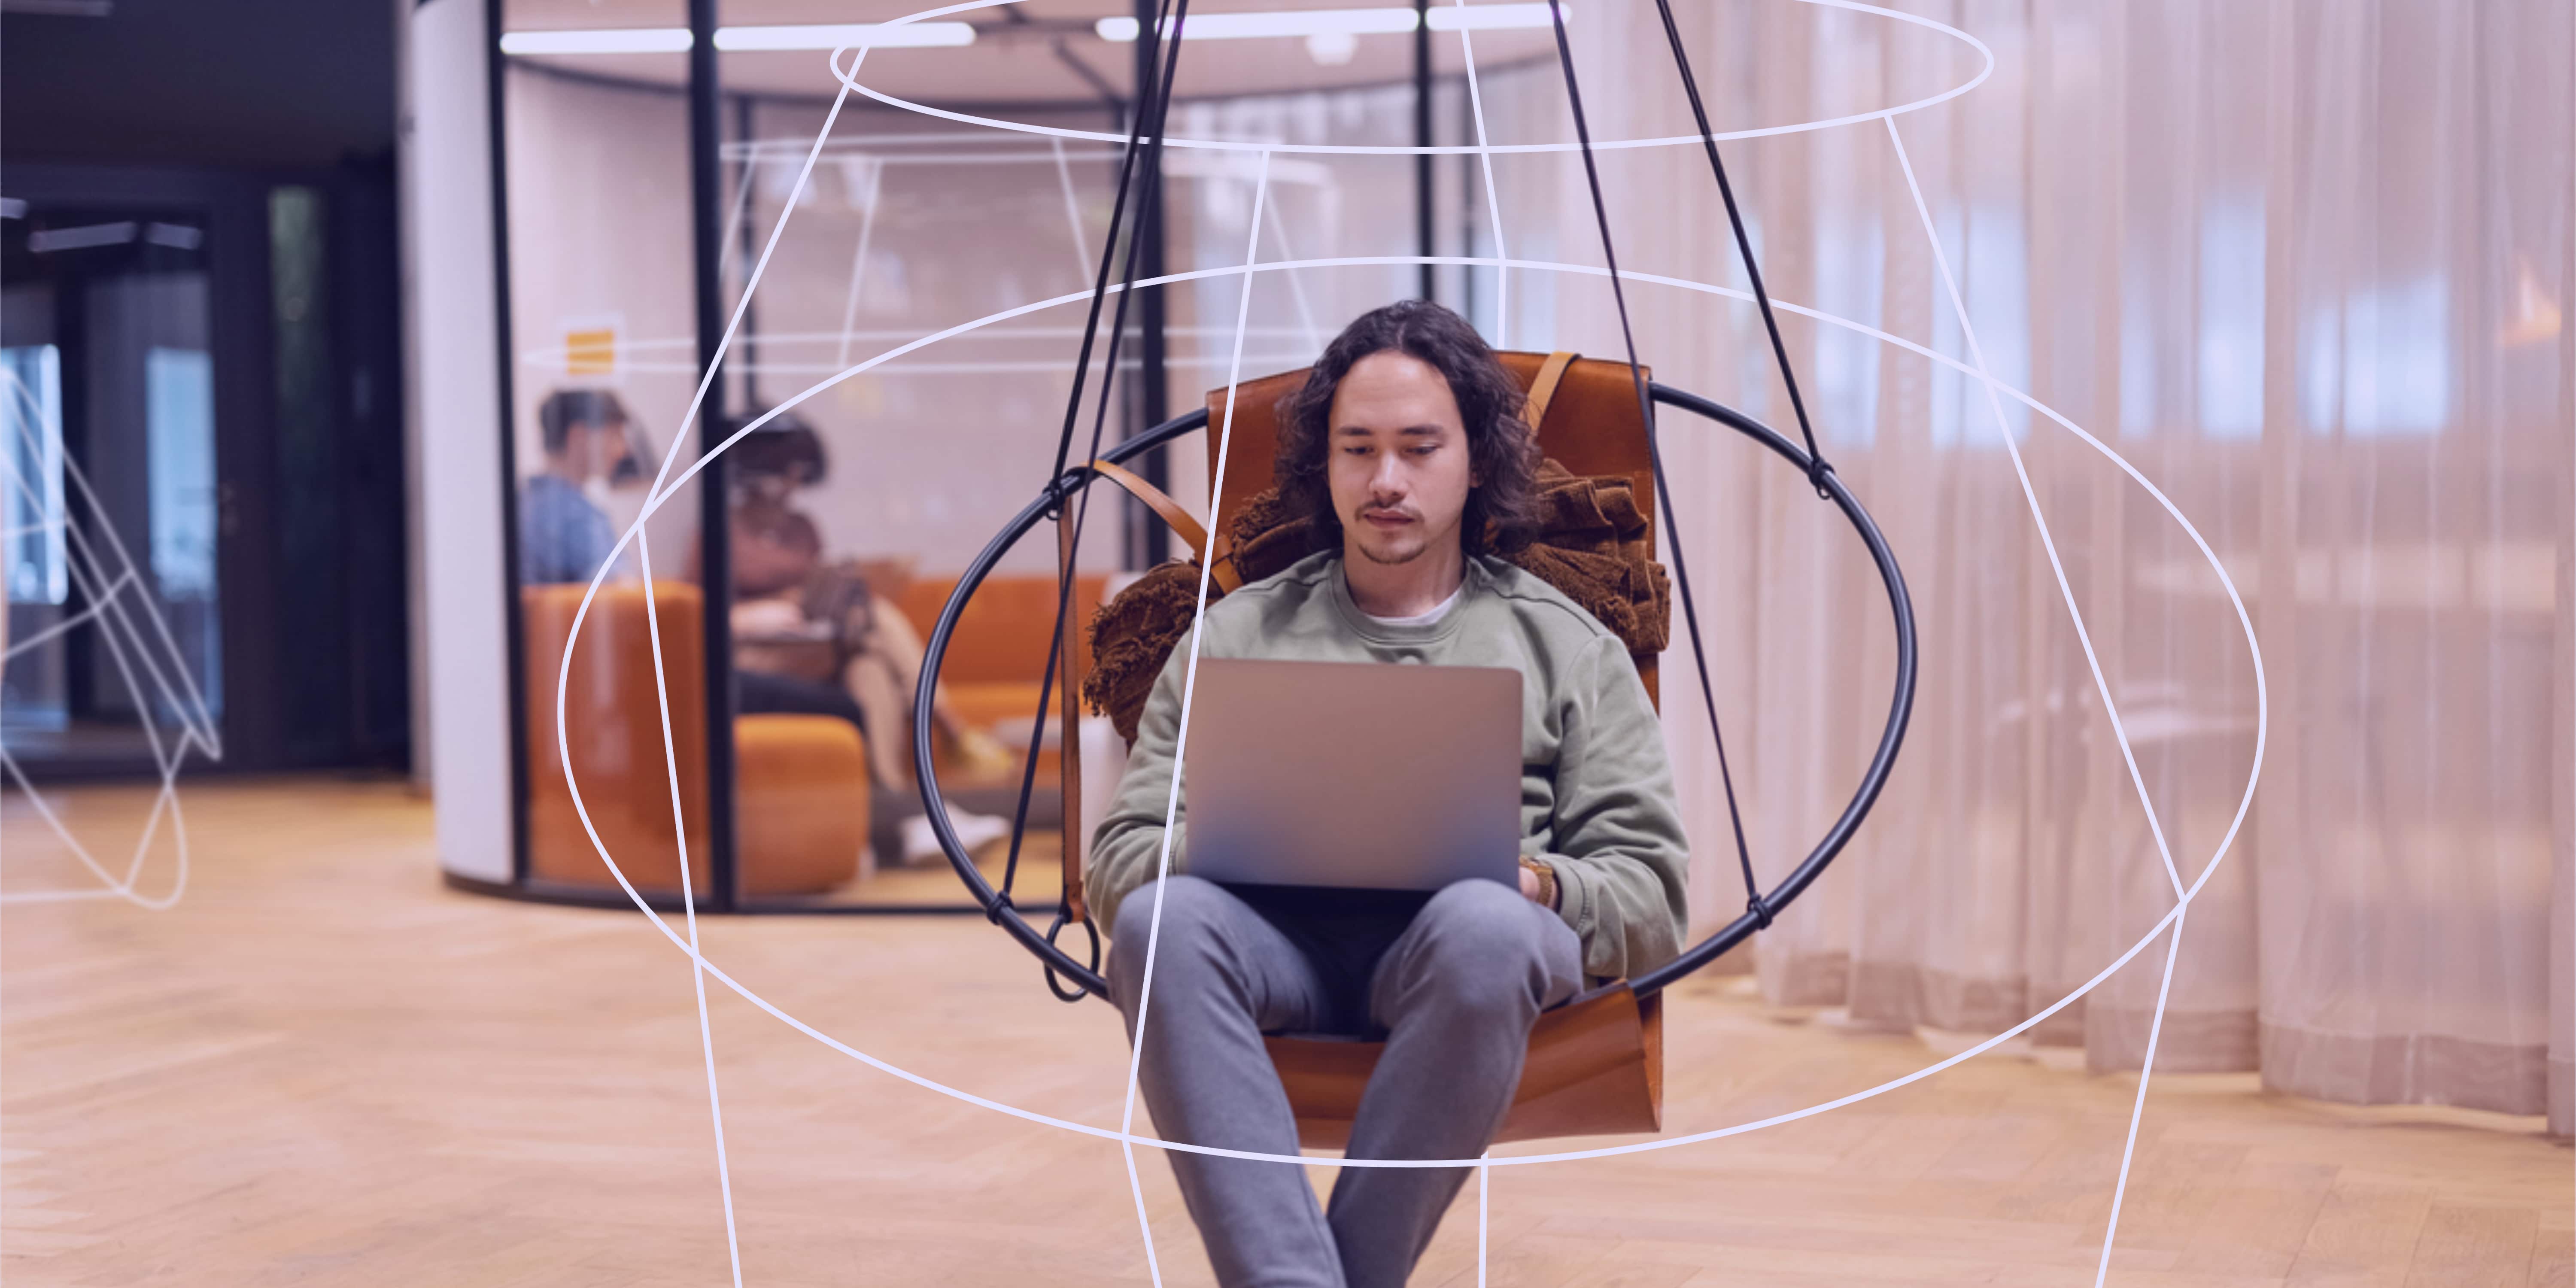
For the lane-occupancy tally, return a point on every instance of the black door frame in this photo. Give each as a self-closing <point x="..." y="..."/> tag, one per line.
<point x="235" y="208"/>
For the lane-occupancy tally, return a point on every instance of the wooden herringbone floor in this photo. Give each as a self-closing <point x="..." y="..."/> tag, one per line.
<point x="323" y="1067"/>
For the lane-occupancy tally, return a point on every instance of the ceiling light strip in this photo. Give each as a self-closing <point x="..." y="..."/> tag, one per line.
<point x="1337" y="22"/>
<point x="911" y="35"/>
<point x="675" y="40"/>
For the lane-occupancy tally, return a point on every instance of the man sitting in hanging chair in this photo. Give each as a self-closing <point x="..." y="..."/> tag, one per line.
<point x="1407" y="441"/>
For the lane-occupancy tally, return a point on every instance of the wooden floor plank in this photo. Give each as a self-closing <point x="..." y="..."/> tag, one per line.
<point x="2473" y="1245"/>
<point x="2258" y="1222"/>
<point x="2553" y="1259"/>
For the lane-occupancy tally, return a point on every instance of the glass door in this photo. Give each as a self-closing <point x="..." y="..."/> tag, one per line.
<point x="111" y="511"/>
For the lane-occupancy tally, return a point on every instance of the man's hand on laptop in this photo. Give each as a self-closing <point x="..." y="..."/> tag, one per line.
<point x="1538" y="883"/>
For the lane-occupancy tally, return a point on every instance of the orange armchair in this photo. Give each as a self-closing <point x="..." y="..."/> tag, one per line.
<point x="800" y="782"/>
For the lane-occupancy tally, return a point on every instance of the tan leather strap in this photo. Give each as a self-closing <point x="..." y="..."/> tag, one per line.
<point x="1068" y="753"/>
<point x="1175" y="518"/>
<point x="1068" y="673"/>
<point x="1158" y="501"/>
<point x="1543" y="387"/>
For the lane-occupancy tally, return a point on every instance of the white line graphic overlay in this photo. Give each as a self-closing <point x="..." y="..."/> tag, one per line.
<point x="661" y="689"/>
<point x="86" y="569"/>
<point x="688" y="897"/>
<point x="1189" y="688"/>
<point x="2244" y="619"/>
<point x="1494" y="211"/>
<point x="849" y="80"/>
<point x="667" y="483"/>
<point x="2102" y="685"/>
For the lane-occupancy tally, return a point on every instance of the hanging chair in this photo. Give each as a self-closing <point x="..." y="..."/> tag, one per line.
<point x="1595" y="1064"/>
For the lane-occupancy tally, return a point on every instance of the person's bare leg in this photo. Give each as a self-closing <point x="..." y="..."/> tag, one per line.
<point x="894" y="643"/>
<point x="888" y="704"/>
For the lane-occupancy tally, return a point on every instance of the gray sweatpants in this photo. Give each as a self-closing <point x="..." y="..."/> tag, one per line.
<point x="1454" y="989"/>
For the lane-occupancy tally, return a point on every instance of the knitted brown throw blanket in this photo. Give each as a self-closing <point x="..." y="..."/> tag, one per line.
<point x="1591" y="547"/>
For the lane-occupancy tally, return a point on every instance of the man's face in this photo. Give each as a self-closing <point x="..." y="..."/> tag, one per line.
<point x="593" y="447"/>
<point x="1399" y="463"/>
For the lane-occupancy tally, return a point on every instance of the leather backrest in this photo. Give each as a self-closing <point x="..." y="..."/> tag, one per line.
<point x="1592" y="428"/>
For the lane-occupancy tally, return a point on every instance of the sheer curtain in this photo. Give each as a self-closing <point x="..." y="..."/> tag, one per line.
<point x="2304" y="264"/>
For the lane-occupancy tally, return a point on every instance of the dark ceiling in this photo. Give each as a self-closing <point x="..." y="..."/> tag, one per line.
<point x="268" y="84"/>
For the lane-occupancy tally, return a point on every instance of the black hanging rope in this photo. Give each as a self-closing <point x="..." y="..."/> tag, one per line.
<point x="1069" y="479"/>
<point x="1816" y="466"/>
<point x="1153" y="106"/>
<point x="1147" y="108"/>
<point x="1760" y="909"/>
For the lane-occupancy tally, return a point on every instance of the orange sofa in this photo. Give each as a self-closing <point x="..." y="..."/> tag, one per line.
<point x="998" y="655"/>
<point x="801" y="782"/>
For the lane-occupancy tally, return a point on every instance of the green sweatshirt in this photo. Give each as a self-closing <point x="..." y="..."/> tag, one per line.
<point x="1597" y="801"/>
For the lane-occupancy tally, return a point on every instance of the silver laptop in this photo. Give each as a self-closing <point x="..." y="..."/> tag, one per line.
<point x="1363" y="775"/>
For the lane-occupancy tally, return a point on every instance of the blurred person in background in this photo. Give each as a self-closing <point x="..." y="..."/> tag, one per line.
<point x="563" y="534"/>
<point x="805" y="628"/>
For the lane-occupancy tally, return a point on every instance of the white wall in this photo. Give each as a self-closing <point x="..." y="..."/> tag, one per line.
<point x="600" y="230"/>
<point x="453" y="365"/>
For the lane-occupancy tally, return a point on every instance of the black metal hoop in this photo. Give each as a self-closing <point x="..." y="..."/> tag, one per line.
<point x="1040" y="942"/>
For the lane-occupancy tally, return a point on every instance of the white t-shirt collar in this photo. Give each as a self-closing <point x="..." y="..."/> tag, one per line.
<point x="1437" y="612"/>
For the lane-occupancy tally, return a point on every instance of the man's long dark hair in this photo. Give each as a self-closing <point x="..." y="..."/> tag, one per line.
<point x="1502" y="509"/>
